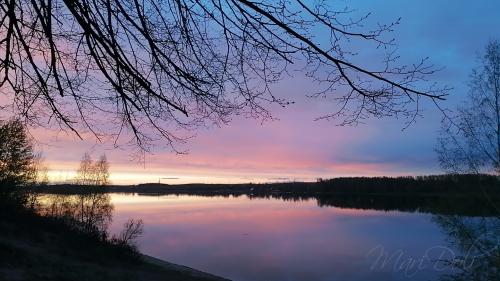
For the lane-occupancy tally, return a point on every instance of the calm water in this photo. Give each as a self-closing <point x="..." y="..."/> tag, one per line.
<point x="247" y="239"/>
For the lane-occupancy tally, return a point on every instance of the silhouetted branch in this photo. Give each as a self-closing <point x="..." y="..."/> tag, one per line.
<point x="161" y="68"/>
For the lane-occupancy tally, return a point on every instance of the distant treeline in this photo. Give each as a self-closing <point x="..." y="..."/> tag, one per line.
<point x="433" y="184"/>
<point x="472" y="195"/>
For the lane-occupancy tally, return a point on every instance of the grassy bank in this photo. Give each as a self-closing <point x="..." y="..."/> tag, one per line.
<point x="40" y="248"/>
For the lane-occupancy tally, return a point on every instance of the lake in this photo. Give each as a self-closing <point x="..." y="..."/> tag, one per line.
<point x="261" y="239"/>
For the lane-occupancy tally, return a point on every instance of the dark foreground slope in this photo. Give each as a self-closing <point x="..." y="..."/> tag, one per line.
<point x="39" y="248"/>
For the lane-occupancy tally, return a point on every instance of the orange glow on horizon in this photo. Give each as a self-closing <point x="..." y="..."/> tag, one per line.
<point x="64" y="172"/>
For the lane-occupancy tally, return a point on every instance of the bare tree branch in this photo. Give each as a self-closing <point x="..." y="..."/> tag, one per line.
<point x="139" y="71"/>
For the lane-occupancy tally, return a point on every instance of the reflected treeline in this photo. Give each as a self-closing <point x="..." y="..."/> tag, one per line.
<point x="89" y="212"/>
<point x="451" y="204"/>
<point x="434" y="204"/>
<point x="477" y="240"/>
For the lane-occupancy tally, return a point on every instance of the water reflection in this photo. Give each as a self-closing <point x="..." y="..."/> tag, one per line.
<point x="297" y="238"/>
<point x="245" y="238"/>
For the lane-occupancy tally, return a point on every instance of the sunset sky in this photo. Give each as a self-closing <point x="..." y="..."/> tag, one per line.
<point x="296" y="147"/>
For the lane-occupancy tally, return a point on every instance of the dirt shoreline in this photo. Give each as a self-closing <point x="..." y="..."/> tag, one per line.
<point x="182" y="268"/>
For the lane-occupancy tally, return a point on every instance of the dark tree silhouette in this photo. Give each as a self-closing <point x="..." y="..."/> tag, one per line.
<point x="17" y="161"/>
<point x="470" y="140"/>
<point x="102" y="171"/>
<point x="93" y="173"/>
<point x="157" y="68"/>
<point x="88" y="212"/>
<point x="132" y="230"/>
<point x="84" y="174"/>
<point x="477" y="240"/>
